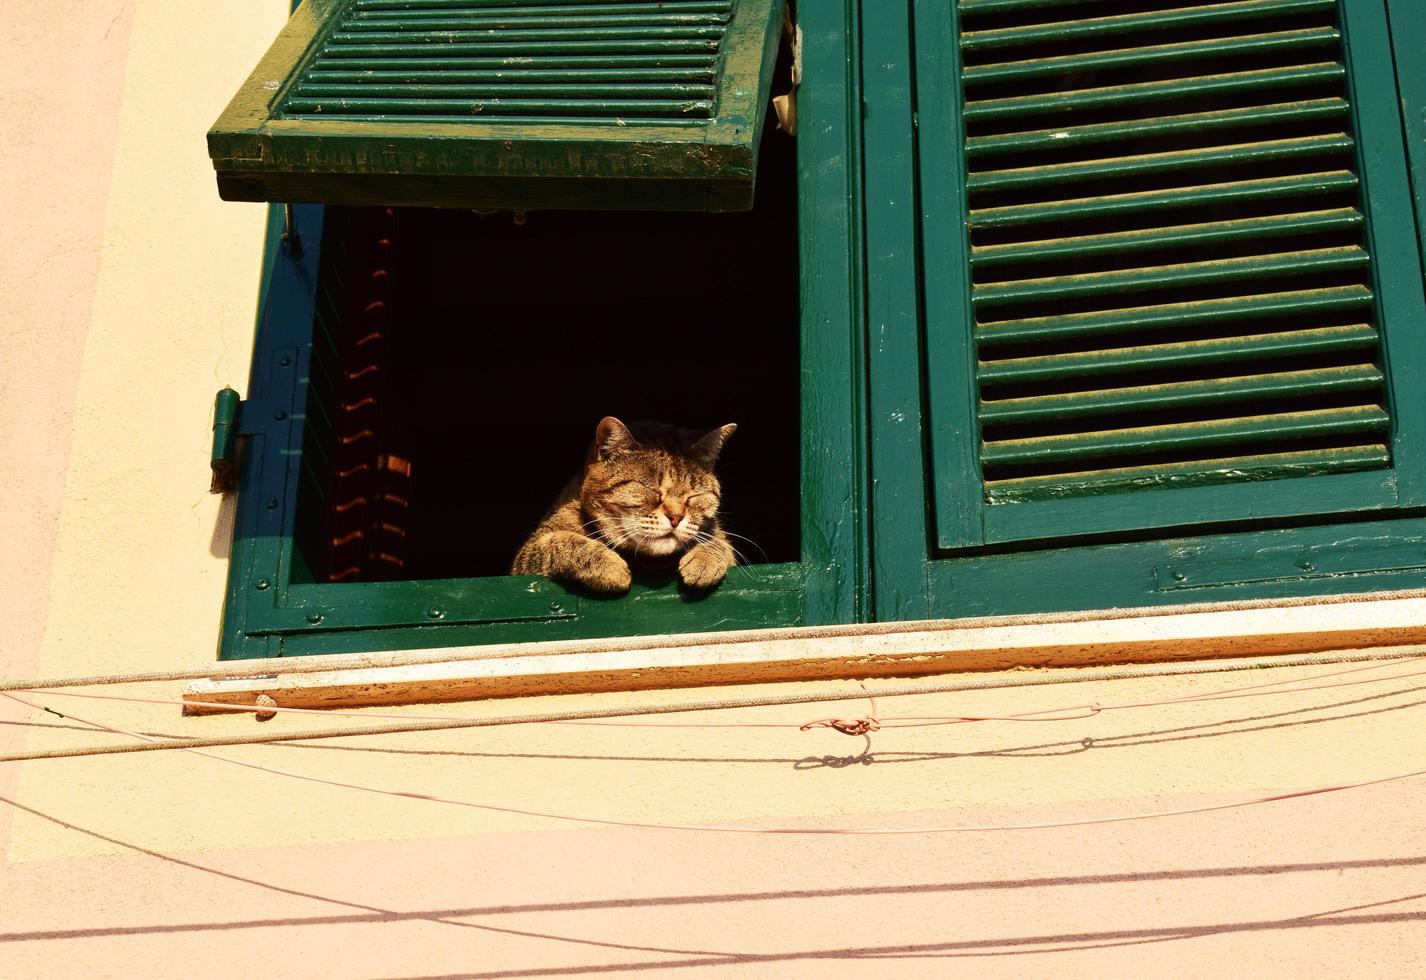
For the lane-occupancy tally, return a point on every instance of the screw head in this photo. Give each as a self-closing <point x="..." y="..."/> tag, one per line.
<point x="1180" y="577"/>
<point x="556" y="607"/>
<point x="435" y="612"/>
<point x="263" y="585"/>
<point x="280" y="416"/>
<point x="314" y="617"/>
<point x="285" y="361"/>
<point x="1306" y="565"/>
<point x="272" y="503"/>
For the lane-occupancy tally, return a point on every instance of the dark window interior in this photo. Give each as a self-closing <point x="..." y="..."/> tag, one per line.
<point x="461" y="361"/>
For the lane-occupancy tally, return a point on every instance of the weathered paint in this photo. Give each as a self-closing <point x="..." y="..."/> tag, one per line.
<point x="287" y="136"/>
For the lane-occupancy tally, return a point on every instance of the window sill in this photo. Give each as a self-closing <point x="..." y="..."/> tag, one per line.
<point x="1179" y="633"/>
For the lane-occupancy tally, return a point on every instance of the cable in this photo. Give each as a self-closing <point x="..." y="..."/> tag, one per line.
<point x="447" y="723"/>
<point x="777" y="831"/>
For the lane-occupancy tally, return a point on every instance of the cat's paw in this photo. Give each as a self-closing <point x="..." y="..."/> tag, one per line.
<point x="704" y="566"/>
<point x="604" y="571"/>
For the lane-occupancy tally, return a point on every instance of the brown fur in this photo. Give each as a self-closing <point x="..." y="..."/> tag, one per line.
<point x="647" y="498"/>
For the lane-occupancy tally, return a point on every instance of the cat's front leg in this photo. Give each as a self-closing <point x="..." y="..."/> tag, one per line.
<point x="572" y="557"/>
<point x="706" y="563"/>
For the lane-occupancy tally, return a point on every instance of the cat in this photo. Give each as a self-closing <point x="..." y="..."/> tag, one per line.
<point x="648" y="498"/>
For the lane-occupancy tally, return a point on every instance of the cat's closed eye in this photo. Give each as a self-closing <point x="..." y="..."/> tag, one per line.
<point x="633" y="495"/>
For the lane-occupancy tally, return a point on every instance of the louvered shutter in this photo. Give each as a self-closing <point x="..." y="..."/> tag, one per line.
<point x="1170" y="268"/>
<point x="649" y="104"/>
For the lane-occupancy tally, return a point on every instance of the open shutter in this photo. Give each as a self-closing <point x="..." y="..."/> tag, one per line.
<point x="505" y="103"/>
<point x="1171" y="274"/>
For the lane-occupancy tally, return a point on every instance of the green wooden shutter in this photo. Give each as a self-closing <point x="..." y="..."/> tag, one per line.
<point x="505" y="103"/>
<point x="1171" y="274"/>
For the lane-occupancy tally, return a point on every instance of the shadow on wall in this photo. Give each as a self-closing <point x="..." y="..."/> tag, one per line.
<point x="1063" y="942"/>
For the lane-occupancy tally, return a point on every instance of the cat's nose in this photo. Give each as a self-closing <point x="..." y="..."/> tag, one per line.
<point x="673" y="517"/>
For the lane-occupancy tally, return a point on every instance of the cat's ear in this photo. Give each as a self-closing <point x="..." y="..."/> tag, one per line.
<point x="707" y="449"/>
<point x="611" y="436"/>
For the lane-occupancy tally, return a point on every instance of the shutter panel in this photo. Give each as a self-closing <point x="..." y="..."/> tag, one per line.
<point x="505" y="103"/>
<point x="1172" y="272"/>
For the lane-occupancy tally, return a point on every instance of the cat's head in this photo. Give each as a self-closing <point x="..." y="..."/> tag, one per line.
<point x="649" y="488"/>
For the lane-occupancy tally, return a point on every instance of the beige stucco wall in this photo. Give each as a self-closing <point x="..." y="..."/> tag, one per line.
<point x="131" y="292"/>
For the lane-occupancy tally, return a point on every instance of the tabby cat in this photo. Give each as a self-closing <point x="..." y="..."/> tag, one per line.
<point x="647" y="498"/>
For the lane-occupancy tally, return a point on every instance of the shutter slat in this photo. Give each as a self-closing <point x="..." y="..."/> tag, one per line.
<point x="420" y="12"/>
<point x="1170" y="276"/>
<point x="1204" y="123"/>
<point x="515" y="76"/>
<point x="1175" y="198"/>
<point x="573" y="6"/>
<point x="1315" y="462"/>
<point x="1185" y="395"/>
<point x="1177" y="237"/>
<point x="1210" y="435"/>
<point x="522" y="49"/>
<point x="1158" y="20"/>
<point x="1147" y="163"/>
<point x="1313" y="262"/>
<point x="1157" y="54"/>
<point x="615" y="107"/>
<point x="525" y="19"/>
<point x="476" y="93"/>
<point x="538" y="37"/>
<point x="1248" y="83"/>
<point x="1295" y="344"/>
<point x="1195" y="314"/>
<point x="440" y="62"/>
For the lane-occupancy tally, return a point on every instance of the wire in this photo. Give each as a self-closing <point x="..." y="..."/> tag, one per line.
<point x="856" y="727"/>
<point x="777" y="831"/>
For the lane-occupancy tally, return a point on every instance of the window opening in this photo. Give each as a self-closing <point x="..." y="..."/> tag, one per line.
<point x="461" y="360"/>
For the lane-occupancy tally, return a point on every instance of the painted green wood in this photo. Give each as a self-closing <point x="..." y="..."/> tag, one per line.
<point x="1284" y="386"/>
<point x="1061" y="528"/>
<point x="1392" y="235"/>
<point x="1206" y="314"/>
<point x="345" y="109"/>
<point x="898" y="496"/>
<point x="1266" y="564"/>
<point x="1162" y="357"/>
<point x="1171" y="199"/>
<point x="1155" y="54"/>
<point x="1306" y="263"/>
<point x="1066" y="137"/>
<point x="1408" y="23"/>
<point x="1256" y="82"/>
<point x="274" y="609"/>
<point x="1178" y="236"/>
<point x="1163" y="476"/>
<point x="1161" y="20"/>
<point x="1208" y="435"/>
<point x="1148" y="163"/>
<point x="1043" y="408"/>
<point x="835" y="479"/>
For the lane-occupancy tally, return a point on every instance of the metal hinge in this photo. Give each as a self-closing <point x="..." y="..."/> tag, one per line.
<point x="233" y="418"/>
<point x="226" y="407"/>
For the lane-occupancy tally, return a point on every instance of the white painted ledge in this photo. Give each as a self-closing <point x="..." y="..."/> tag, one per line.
<point x="1258" y="628"/>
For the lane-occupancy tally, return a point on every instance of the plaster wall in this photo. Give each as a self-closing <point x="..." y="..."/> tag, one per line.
<point x="170" y="864"/>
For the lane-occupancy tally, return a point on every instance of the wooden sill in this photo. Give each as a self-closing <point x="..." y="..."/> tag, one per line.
<point x="1240" y="629"/>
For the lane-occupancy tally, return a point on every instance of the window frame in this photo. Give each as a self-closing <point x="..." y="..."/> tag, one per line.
<point x="921" y="571"/>
<point x="267" y="614"/>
